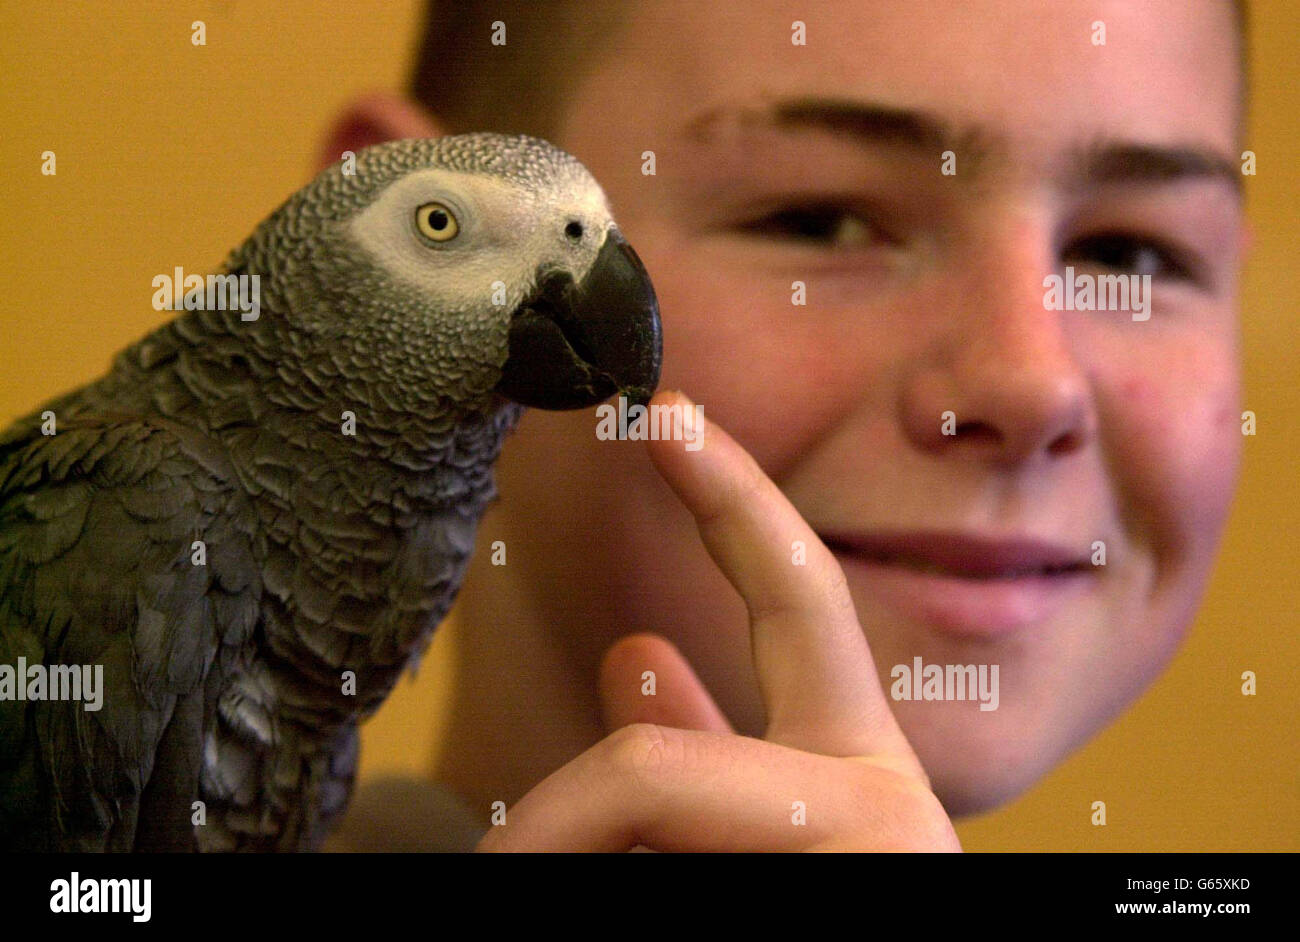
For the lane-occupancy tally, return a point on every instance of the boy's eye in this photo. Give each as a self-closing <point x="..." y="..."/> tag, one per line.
<point x="1132" y="255"/>
<point x="836" y="226"/>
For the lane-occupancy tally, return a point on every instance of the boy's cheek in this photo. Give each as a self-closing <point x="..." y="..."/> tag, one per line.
<point x="1175" y="430"/>
<point x="776" y="374"/>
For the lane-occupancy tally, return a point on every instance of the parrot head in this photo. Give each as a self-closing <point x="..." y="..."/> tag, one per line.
<point x="477" y="267"/>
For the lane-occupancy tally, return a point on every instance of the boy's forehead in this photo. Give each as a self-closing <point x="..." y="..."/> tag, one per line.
<point x="1041" y="70"/>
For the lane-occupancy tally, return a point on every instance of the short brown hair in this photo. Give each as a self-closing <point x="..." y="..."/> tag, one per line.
<point x="520" y="87"/>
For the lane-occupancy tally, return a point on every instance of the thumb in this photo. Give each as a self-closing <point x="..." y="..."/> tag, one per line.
<point x="670" y="695"/>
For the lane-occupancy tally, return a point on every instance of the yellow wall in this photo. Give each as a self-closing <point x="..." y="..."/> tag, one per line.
<point x="168" y="153"/>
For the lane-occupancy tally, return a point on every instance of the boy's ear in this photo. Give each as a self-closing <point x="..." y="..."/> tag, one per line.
<point x="378" y="117"/>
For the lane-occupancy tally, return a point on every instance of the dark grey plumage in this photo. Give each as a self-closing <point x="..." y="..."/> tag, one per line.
<point x="325" y="552"/>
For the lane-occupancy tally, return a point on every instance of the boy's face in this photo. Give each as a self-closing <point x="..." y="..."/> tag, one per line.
<point x="924" y="295"/>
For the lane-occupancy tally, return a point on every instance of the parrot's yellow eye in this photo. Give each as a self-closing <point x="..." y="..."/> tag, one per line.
<point x="435" y="221"/>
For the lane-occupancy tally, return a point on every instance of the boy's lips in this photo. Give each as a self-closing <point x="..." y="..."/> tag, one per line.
<point x="961" y="583"/>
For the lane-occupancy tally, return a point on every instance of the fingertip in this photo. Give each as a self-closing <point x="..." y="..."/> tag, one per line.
<point x="619" y="678"/>
<point x="645" y="678"/>
<point x="626" y="650"/>
<point x="668" y="397"/>
<point x="689" y="433"/>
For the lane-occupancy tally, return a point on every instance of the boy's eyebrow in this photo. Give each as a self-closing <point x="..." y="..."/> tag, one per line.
<point x="1108" y="161"/>
<point x="1103" y="161"/>
<point x="869" y="122"/>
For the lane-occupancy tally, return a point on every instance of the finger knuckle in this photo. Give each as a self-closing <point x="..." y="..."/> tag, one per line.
<point x="903" y="814"/>
<point x="923" y="824"/>
<point x="645" y="752"/>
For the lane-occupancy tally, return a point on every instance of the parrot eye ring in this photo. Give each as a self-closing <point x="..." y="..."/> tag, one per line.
<point x="573" y="230"/>
<point x="435" y="221"/>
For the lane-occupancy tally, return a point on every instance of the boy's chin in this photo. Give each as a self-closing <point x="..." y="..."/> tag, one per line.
<point x="976" y="771"/>
<point x="966" y="792"/>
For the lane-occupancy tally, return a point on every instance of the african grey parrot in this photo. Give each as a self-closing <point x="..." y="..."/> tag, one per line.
<point x="203" y="526"/>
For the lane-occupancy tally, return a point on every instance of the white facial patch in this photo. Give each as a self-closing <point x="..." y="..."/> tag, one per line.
<point x="505" y="232"/>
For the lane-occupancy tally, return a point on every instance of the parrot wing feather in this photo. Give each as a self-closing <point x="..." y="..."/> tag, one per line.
<point x="73" y="507"/>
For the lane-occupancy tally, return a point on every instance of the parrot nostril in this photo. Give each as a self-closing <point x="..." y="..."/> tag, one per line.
<point x="573" y="230"/>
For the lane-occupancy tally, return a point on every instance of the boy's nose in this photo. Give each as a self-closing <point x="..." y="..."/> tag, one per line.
<point x="1001" y="361"/>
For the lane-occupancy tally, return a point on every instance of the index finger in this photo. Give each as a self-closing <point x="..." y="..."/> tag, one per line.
<point x="814" y="666"/>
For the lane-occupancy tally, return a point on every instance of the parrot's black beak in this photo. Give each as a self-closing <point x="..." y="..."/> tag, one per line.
<point x="573" y="345"/>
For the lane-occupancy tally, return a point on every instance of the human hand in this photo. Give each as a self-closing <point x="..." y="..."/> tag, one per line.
<point x="674" y="776"/>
